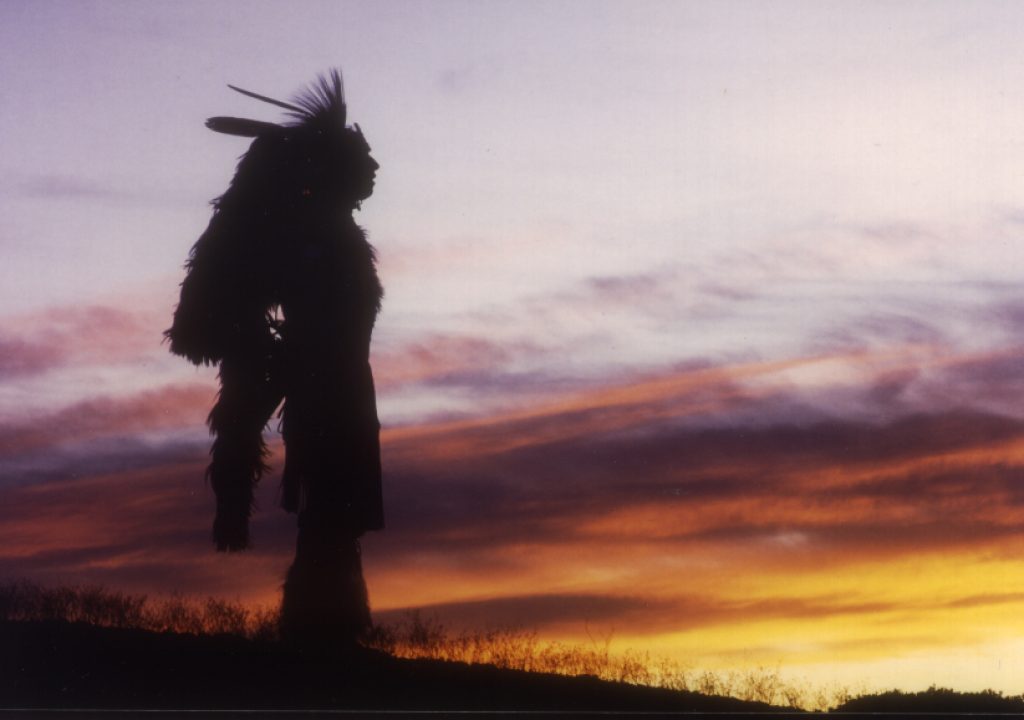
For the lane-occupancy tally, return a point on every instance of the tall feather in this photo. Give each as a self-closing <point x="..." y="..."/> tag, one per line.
<point x="266" y="99"/>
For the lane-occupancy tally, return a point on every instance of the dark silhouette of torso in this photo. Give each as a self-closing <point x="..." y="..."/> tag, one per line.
<point x="330" y="296"/>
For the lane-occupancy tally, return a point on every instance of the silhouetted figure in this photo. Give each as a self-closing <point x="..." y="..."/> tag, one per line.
<point x="281" y="290"/>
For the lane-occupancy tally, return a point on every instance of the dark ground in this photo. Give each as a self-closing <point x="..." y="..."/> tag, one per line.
<point x="89" y="671"/>
<point x="73" y="665"/>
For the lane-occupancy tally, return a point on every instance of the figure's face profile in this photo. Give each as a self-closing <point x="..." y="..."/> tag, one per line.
<point x="357" y="177"/>
<point x="360" y="166"/>
<point x="364" y="174"/>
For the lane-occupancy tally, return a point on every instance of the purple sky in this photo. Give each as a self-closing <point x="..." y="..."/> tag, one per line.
<point x="784" y="233"/>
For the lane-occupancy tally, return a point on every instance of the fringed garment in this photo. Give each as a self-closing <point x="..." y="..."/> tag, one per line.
<point x="322" y="276"/>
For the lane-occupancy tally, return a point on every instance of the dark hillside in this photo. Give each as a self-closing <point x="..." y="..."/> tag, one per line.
<point x="54" y="664"/>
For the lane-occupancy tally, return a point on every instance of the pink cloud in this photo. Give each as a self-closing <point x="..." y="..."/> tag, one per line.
<point x="104" y="334"/>
<point x="170" y="407"/>
<point x="437" y="356"/>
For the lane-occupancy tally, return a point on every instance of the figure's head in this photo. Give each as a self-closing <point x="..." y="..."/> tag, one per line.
<point x="316" y="160"/>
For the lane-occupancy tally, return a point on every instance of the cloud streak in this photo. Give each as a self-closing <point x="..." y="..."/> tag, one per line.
<point x="657" y="464"/>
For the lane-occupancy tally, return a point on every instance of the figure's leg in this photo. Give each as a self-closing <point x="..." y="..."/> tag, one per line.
<point x="246" y="402"/>
<point x="325" y="604"/>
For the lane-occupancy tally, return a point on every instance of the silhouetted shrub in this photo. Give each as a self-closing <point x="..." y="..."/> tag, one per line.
<point x="935" y="699"/>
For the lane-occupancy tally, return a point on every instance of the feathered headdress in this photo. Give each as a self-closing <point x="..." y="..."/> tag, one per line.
<point x="320" y="106"/>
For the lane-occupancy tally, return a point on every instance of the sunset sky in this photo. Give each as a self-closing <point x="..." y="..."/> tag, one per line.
<point x="702" y="327"/>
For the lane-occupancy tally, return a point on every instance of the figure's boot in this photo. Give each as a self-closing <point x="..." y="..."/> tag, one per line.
<point x="325" y="607"/>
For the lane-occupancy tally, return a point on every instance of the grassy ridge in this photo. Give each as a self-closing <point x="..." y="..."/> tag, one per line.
<point x="96" y="605"/>
<point x="417" y="637"/>
<point x="413" y="636"/>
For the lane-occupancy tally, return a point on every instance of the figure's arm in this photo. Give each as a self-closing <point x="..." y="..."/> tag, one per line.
<point x="251" y="388"/>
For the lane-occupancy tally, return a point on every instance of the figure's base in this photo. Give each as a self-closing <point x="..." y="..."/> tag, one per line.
<point x="325" y="607"/>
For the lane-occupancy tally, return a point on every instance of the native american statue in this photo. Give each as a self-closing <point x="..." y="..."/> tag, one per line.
<point x="281" y="291"/>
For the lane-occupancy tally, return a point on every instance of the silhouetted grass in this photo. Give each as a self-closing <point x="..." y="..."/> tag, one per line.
<point x="96" y="605"/>
<point x="416" y="636"/>
<point x="521" y="649"/>
<point x="413" y="637"/>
